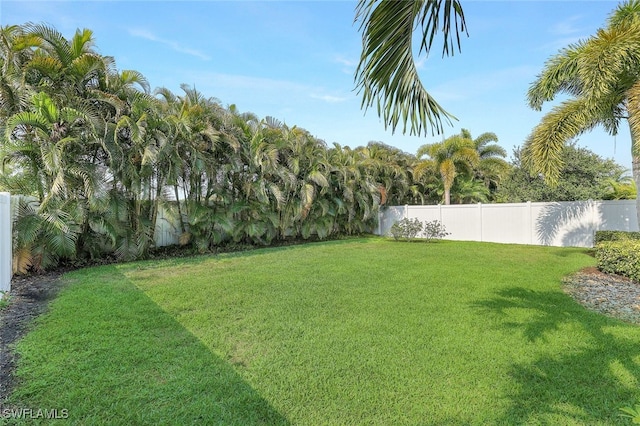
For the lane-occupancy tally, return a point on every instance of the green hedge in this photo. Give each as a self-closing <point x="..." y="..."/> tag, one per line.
<point x="620" y="257"/>
<point x="615" y="236"/>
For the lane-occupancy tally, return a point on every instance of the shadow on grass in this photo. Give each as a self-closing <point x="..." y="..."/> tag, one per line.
<point x="586" y="379"/>
<point x="186" y="257"/>
<point x="114" y="357"/>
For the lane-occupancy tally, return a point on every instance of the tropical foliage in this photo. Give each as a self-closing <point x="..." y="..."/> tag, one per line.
<point x="585" y="176"/>
<point x="387" y="75"/>
<point x="97" y="155"/>
<point x="469" y="168"/>
<point x="601" y="76"/>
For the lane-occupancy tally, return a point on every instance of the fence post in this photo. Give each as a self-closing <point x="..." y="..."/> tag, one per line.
<point x="5" y="242"/>
<point x="530" y="224"/>
<point x="480" y="220"/>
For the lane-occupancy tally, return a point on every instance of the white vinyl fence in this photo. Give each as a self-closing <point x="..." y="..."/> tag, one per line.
<point x="553" y="224"/>
<point x="5" y="242"/>
<point x="167" y="229"/>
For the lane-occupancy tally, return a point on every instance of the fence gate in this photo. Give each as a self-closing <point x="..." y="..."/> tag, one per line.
<point x="5" y="242"/>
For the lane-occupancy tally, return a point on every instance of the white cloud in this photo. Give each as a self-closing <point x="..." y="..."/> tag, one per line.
<point x="348" y="64"/>
<point x="421" y="61"/>
<point x="244" y="82"/>
<point x="329" y="98"/>
<point x="566" y="26"/>
<point x="263" y="86"/>
<point x="567" y="32"/>
<point x="346" y="61"/>
<point x="477" y="85"/>
<point x="147" y="35"/>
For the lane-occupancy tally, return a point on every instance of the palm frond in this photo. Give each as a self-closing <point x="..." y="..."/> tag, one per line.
<point x="447" y="171"/>
<point x="633" y="109"/>
<point x="544" y="146"/>
<point x="51" y="40"/>
<point x="626" y="13"/>
<point x="318" y="178"/>
<point x="609" y="63"/>
<point x="386" y="75"/>
<point x="559" y="76"/>
<point x="22" y="119"/>
<point x="128" y="78"/>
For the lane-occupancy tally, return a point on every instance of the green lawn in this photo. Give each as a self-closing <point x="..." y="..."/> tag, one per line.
<point x="364" y="331"/>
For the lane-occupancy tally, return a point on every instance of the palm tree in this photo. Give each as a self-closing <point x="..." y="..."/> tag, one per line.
<point x="602" y="77"/>
<point x="456" y="154"/>
<point x="491" y="167"/>
<point x="391" y="169"/>
<point x="469" y="190"/>
<point x="355" y="190"/>
<point x="14" y="94"/>
<point x="46" y="142"/>
<point x="191" y="161"/>
<point x="64" y="68"/>
<point x="621" y="187"/>
<point x="387" y="75"/>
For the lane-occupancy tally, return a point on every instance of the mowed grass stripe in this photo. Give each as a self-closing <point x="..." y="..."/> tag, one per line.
<point x="378" y="332"/>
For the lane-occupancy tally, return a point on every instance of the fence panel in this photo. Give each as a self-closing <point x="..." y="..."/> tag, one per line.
<point x="5" y="242"/>
<point x="508" y="223"/>
<point x="555" y="224"/>
<point x="463" y="221"/>
<point x="619" y="215"/>
<point x="388" y="217"/>
<point x="566" y="223"/>
<point x="166" y="232"/>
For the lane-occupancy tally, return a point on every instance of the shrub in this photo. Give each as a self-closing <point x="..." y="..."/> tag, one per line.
<point x="615" y="236"/>
<point x="434" y="230"/>
<point x="620" y="257"/>
<point x="410" y="228"/>
<point x="406" y="229"/>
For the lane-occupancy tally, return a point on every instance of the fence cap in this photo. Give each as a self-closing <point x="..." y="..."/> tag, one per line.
<point x="5" y="198"/>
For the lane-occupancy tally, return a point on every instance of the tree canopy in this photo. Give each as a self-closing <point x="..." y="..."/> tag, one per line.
<point x="98" y="156"/>
<point x="585" y="176"/>
<point x="601" y="77"/>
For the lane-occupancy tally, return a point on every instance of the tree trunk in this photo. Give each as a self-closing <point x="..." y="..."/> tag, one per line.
<point x="177" y="193"/>
<point x="635" y="167"/>
<point x="447" y="196"/>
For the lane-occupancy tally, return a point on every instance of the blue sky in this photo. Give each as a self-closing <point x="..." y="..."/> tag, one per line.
<point x="295" y="60"/>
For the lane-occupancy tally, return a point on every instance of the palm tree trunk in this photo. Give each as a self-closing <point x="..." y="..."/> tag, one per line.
<point x="177" y="194"/>
<point x="635" y="165"/>
<point x="447" y="196"/>
<point x="636" y="177"/>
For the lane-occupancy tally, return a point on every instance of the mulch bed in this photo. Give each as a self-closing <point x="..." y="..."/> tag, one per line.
<point x="610" y="295"/>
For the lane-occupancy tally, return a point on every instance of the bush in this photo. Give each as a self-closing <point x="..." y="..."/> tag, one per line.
<point x="615" y="236"/>
<point x="410" y="228"/>
<point x="620" y="257"/>
<point x="434" y="230"/>
<point x="406" y="229"/>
